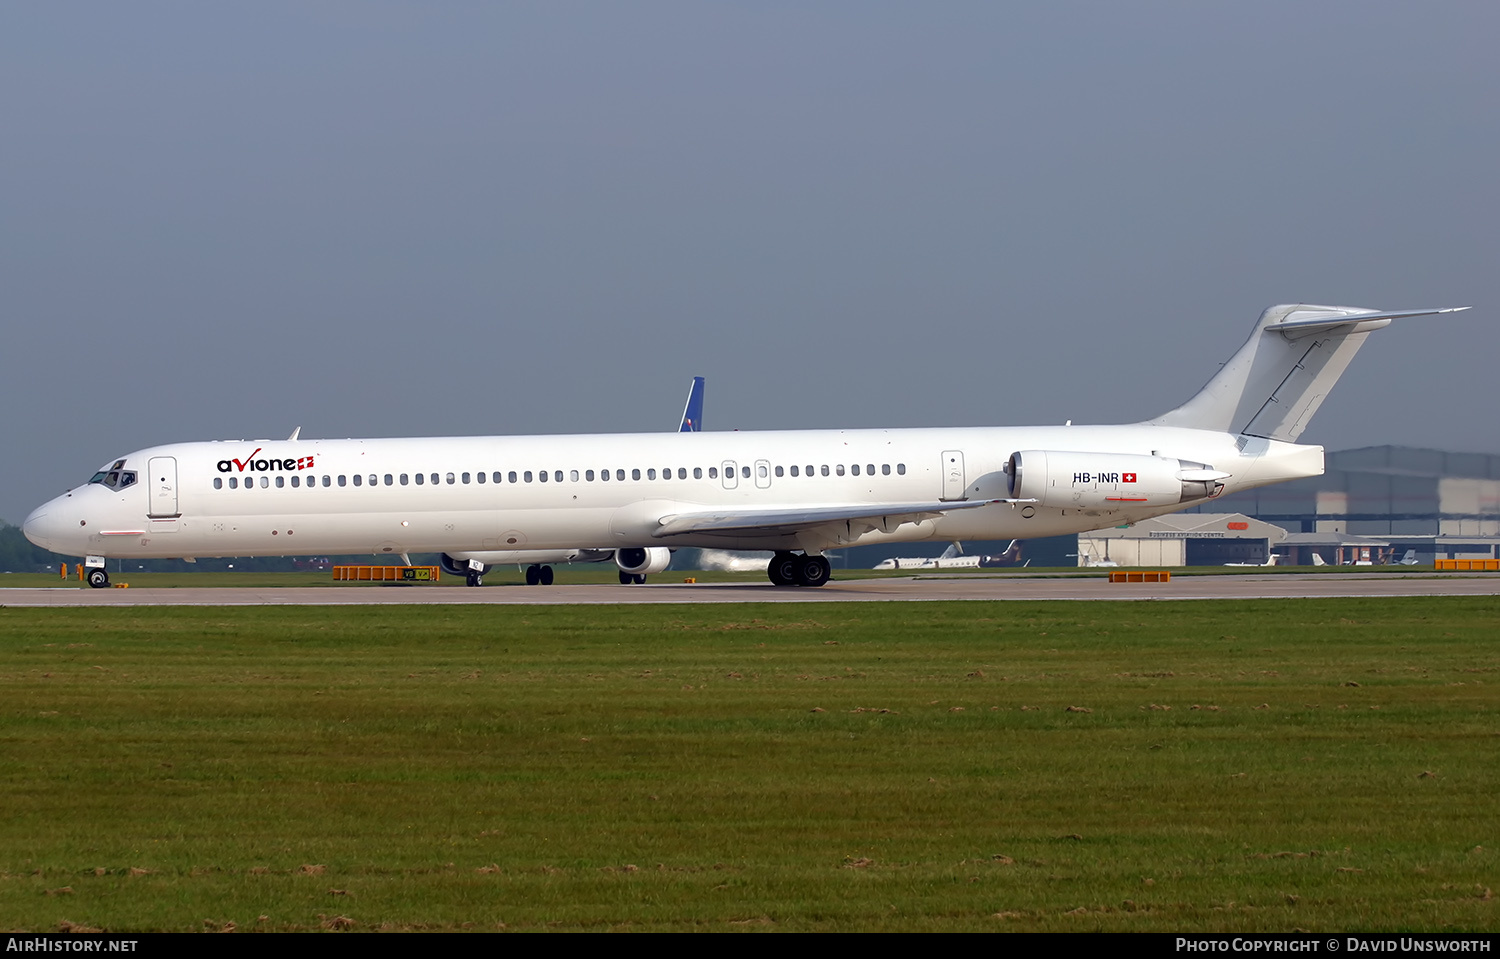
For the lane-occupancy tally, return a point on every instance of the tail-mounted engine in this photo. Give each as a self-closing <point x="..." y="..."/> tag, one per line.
<point x="642" y="560"/>
<point x="1109" y="481"/>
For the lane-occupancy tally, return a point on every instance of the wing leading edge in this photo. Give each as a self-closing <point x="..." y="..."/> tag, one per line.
<point x="883" y="516"/>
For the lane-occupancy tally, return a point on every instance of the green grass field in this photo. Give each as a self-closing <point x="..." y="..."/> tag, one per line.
<point x="1271" y="765"/>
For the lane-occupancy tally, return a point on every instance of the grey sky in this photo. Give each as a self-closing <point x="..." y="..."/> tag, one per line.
<point x="394" y="219"/>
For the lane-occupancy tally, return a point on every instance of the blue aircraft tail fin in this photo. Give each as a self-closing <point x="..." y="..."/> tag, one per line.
<point x="692" y="414"/>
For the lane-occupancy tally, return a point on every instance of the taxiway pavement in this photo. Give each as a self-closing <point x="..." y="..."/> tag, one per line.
<point x="914" y="589"/>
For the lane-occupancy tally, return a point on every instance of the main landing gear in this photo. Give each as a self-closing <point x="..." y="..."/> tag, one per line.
<point x="626" y="579"/>
<point x="474" y="578"/>
<point x="538" y="575"/>
<point x="98" y="578"/>
<point x="791" y="569"/>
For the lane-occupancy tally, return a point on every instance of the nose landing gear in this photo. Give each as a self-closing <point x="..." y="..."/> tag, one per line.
<point x="98" y="578"/>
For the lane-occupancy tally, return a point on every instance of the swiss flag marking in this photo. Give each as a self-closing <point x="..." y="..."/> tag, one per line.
<point x="1127" y="478"/>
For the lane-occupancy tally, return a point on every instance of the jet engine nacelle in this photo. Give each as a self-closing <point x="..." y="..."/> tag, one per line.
<point x="1109" y="481"/>
<point x="641" y="560"/>
<point x="457" y="567"/>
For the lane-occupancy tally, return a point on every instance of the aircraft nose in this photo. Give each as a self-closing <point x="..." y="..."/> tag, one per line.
<point x="36" y="528"/>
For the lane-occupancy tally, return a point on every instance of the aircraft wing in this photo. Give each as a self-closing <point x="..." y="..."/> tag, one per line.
<point x="885" y="516"/>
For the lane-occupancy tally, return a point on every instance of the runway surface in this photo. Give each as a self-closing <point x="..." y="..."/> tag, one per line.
<point x="915" y="589"/>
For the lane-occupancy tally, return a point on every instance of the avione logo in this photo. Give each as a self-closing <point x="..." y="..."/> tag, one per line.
<point x="253" y="465"/>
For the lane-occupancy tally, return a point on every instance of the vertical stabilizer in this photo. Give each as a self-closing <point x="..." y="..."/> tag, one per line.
<point x="1275" y="383"/>
<point x="692" y="413"/>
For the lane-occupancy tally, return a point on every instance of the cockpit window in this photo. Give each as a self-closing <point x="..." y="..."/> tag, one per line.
<point x="115" y="477"/>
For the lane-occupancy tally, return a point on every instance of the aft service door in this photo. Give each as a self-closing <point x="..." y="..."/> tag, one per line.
<point x="161" y="477"/>
<point x="953" y="475"/>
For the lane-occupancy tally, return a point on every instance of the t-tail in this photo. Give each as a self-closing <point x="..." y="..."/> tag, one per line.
<point x="1272" y="387"/>
<point x="692" y="414"/>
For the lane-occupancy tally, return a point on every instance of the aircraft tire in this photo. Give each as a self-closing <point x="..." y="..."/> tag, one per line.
<point x="545" y="574"/>
<point x="640" y="579"/>
<point x="625" y="578"/>
<point x="474" y="579"/>
<point x="782" y="569"/>
<point x="813" y="571"/>
<point x="533" y="575"/>
<point x="98" y="578"/>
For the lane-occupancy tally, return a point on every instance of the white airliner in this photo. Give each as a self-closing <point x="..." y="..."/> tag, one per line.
<point x="797" y="493"/>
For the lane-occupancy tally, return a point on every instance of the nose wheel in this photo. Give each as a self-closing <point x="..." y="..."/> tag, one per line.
<point x="98" y="578"/>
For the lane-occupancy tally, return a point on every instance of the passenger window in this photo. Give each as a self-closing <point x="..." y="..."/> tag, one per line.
<point x="265" y="482"/>
<point x="635" y="474"/>
<point x="526" y="476"/>
<point x="390" y="480"/>
<point x="542" y="475"/>
<point x="420" y="478"/>
<point x="839" y="469"/>
<point x="328" y="480"/>
<point x="404" y="479"/>
<point x="296" y="481"/>
<point x="573" y="475"/>
<point x="810" y="470"/>
<point x="234" y="483"/>
<point x="374" y="480"/>
<point x="854" y="469"/>
<point x="479" y="477"/>
<point x="697" y="472"/>
<point x="778" y="471"/>
<point x="434" y="479"/>
<point x="760" y="470"/>
<point x="651" y="474"/>
<point x="218" y="482"/>
<point x="620" y="475"/>
<point x="342" y="480"/>
<point x="745" y="472"/>
<point x="682" y="472"/>
<point x="465" y="479"/>
<point x="281" y="482"/>
<point x="870" y="469"/>
<point x="713" y="472"/>
<point x="450" y="479"/>
<point x="825" y="469"/>
<point x="794" y="471"/>
<point x="357" y="479"/>
<point x="557" y="476"/>
<point x="901" y="469"/>
<point x="512" y="476"/>
<point x="885" y="469"/>
<point x="588" y="475"/>
<point x="496" y="477"/>
<point x="604" y="476"/>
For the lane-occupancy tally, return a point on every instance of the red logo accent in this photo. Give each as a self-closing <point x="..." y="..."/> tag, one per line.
<point x="1238" y="525"/>
<point x="1128" y="478"/>
<point x="248" y="459"/>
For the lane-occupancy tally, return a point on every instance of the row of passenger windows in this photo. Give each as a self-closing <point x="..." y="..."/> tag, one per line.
<point x="763" y="471"/>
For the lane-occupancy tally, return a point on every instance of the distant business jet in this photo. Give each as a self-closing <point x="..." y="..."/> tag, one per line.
<point x="796" y="493"/>
<point x="952" y="558"/>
